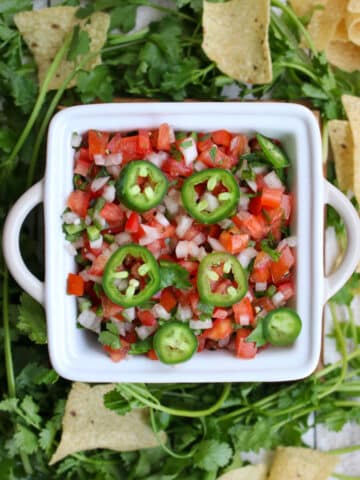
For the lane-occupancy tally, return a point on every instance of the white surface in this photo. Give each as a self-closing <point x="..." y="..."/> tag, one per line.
<point x="75" y="354"/>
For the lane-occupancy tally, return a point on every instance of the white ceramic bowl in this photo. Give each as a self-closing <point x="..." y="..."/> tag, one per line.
<point x="75" y="353"/>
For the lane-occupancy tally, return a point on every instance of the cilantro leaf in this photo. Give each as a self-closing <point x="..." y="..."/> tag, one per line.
<point x="96" y="83"/>
<point x="31" y="319"/>
<point x="346" y="294"/>
<point x="110" y="336"/>
<point x="25" y="440"/>
<point x="31" y="410"/>
<point x="80" y="43"/>
<point x="172" y="274"/>
<point x="212" y="454"/>
<point x="142" y="346"/>
<point x="123" y="17"/>
<point x="272" y="252"/>
<point x="13" y="6"/>
<point x="257" y="335"/>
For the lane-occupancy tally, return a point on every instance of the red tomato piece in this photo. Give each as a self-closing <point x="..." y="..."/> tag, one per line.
<point x="168" y="299"/>
<point x="244" y="349"/>
<point x="287" y="289"/>
<point x="129" y="148"/>
<point x="144" y="146"/>
<point x="75" y="285"/>
<point x="81" y="167"/>
<point x="114" y="146"/>
<point x="234" y="242"/>
<point x="146" y="318"/>
<point x="98" y="265"/>
<point x="113" y="214"/>
<point x="133" y="223"/>
<point x="191" y="267"/>
<point x="253" y="225"/>
<point x="221" y="328"/>
<point x="97" y="142"/>
<point x="238" y="145"/>
<point x="264" y="303"/>
<point x="281" y="268"/>
<point x="214" y="157"/>
<point x="269" y="198"/>
<point x="243" y="312"/>
<point x="151" y="354"/>
<point x="221" y="137"/>
<point x="117" y="354"/>
<point x="204" y="143"/>
<point x="78" y="202"/>
<point x="220" y="313"/>
<point x="176" y="168"/>
<point x="261" y="268"/>
<point x="110" y="309"/>
<point x="163" y="139"/>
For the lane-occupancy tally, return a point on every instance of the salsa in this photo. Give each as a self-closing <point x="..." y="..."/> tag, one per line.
<point x="182" y="242"/>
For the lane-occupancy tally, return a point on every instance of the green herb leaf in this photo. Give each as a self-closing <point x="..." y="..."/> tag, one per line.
<point x="140" y="347"/>
<point x="172" y="274"/>
<point x="212" y="454"/>
<point x="257" y="335"/>
<point x="80" y="43"/>
<point x="110" y="336"/>
<point x="31" y="320"/>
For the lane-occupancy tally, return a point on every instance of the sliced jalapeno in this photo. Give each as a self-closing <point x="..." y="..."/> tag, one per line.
<point x="141" y="186"/>
<point x="274" y="154"/>
<point x="131" y="276"/>
<point x="282" y="326"/>
<point x="200" y="199"/>
<point x="174" y="342"/>
<point x="221" y="280"/>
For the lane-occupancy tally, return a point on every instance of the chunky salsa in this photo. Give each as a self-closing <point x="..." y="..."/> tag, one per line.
<point x="182" y="242"/>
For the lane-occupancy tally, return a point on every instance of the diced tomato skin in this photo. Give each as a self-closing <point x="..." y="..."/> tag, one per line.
<point x="97" y="142"/>
<point x="151" y="354"/>
<point x="163" y="140"/>
<point x="176" y="168"/>
<point x="238" y="145"/>
<point x="221" y="137"/>
<point x="132" y="224"/>
<point x="204" y="144"/>
<point x="221" y="329"/>
<point x="168" y="299"/>
<point x="78" y="202"/>
<point x="261" y="268"/>
<point x="191" y="267"/>
<point x="287" y="289"/>
<point x="83" y="155"/>
<point x="130" y="337"/>
<point x="146" y="318"/>
<point x="264" y="303"/>
<point x="243" y="309"/>
<point x="201" y="343"/>
<point x="75" y="285"/>
<point x="215" y="157"/>
<point x="81" y="168"/>
<point x="128" y="146"/>
<point x="253" y="225"/>
<point x="98" y="265"/>
<point x="234" y="243"/>
<point x="220" y="313"/>
<point x="243" y="349"/>
<point x="118" y="354"/>
<point x="113" y="214"/>
<point x="144" y="145"/>
<point x="114" y="146"/>
<point x="110" y="309"/>
<point x="282" y="267"/>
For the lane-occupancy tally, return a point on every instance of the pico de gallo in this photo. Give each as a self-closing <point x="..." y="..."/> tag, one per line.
<point x="182" y="242"/>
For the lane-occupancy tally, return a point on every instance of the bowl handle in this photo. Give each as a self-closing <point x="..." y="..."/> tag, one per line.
<point x="351" y="258"/>
<point x="11" y="246"/>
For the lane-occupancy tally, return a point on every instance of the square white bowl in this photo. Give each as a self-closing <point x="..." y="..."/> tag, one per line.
<point x="75" y="353"/>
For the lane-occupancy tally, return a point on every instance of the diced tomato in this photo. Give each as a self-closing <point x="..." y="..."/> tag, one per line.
<point x="269" y="198"/>
<point x="201" y="343"/>
<point x="129" y="148"/>
<point x="110" y="309"/>
<point x="238" y="145"/>
<point x="83" y="155"/>
<point x="78" y="202"/>
<point x="75" y="285"/>
<point x="234" y="243"/>
<point x="114" y="146"/>
<point x="163" y="140"/>
<point x="244" y="349"/>
<point x="167" y="232"/>
<point x="156" y="247"/>
<point x="253" y="225"/>
<point x="273" y="215"/>
<point x="264" y="303"/>
<point x="192" y="232"/>
<point x="221" y="328"/>
<point x="151" y="354"/>
<point x="146" y="318"/>
<point x="81" y="167"/>
<point x="117" y="354"/>
<point x="282" y="267"/>
<point x="131" y="336"/>
<point x="133" y="223"/>
<point x="113" y="214"/>
<point x="214" y="230"/>
<point x="191" y="267"/>
<point x="222" y="287"/>
<point x="261" y="268"/>
<point x="98" y="265"/>
<point x="193" y="300"/>
<point x="97" y="142"/>
<point x="204" y="143"/>
<point x="221" y="137"/>
<point x="168" y="299"/>
<point x="214" y="157"/>
<point x="220" y="313"/>
<point x="287" y="289"/>
<point x="176" y="168"/>
<point x="144" y="145"/>
<point x="243" y="312"/>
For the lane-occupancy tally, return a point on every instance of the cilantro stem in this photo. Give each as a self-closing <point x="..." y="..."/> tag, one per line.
<point x="347" y="404"/>
<point x="300" y="68"/>
<point x="352" y="326"/>
<point x="7" y="340"/>
<point x="40" y="100"/>
<point x="342" y="451"/>
<point x="116" y="39"/>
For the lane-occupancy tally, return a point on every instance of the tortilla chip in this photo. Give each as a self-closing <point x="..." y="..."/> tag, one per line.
<point x="323" y="23"/>
<point x="344" y="55"/>
<point x="352" y="109"/>
<point x="88" y="424"/>
<point x="354" y="6"/>
<point x="304" y="7"/>
<point x="343" y="149"/>
<point x="301" y="464"/>
<point x="341" y="33"/>
<point x="353" y="27"/>
<point x="250" y="472"/>
<point x="236" y="38"/>
<point x="44" y="32"/>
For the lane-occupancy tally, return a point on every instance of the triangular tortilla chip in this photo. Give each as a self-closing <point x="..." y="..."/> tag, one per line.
<point x="323" y="23"/>
<point x="250" y="472"/>
<point x="352" y="109"/>
<point x="304" y="7"/>
<point x="344" y="55"/>
<point x="44" y="32"/>
<point x="354" y="6"/>
<point x="236" y="38"/>
<point x="343" y="150"/>
<point x="88" y="424"/>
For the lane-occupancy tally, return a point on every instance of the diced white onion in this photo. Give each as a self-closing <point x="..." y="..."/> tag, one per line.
<point x="183" y="312"/>
<point x="246" y="256"/>
<point x="260" y="169"/>
<point x="143" y="332"/>
<point x="172" y="137"/>
<point x="151" y="234"/>
<point x="182" y="249"/>
<point x="184" y="222"/>
<point x="291" y="241"/>
<point x="70" y="249"/>
<point x="114" y="170"/>
<point x="157" y="159"/>
<point x="121" y="283"/>
<point x="244" y="320"/>
<point x="98" y="183"/>
<point x="100" y="220"/>
<point x="89" y="320"/>
<point x="71" y="218"/>
<point x="200" y="324"/>
<point x="129" y="314"/>
<point x="95" y="278"/>
<point x="244" y="202"/>
<point x="108" y="160"/>
<point x="211" y="200"/>
<point x="272" y="180"/>
<point x="190" y="151"/>
<point x="79" y="243"/>
<point x="193" y="249"/>
<point x="121" y="326"/>
<point x="199" y="239"/>
<point x="123" y="238"/>
<point x="224" y="341"/>
<point x="85" y="274"/>
<point x="202" y="253"/>
<point x="278" y="299"/>
<point x="112" y="247"/>
<point x="252" y="184"/>
<point x="160" y="218"/>
<point x="76" y="140"/>
<point x="226" y="223"/>
<point x="172" y="201"/>
<point x="215" y="245"/>
<point x="109" y="193"/>
<point x="160" y="312"/>
<point x="95" y="244"/>
<point x="88" y="220"/>
<point x="260" y="286"/>
<point x="199" y="166"/>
